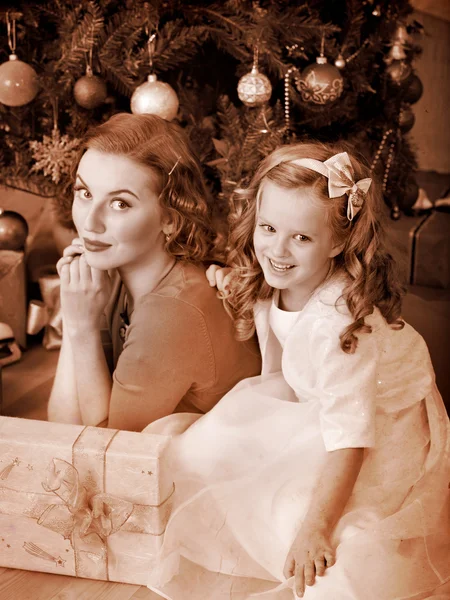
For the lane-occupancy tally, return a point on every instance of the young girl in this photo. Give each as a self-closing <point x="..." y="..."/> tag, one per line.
<point x="327" y="476"/>
<point x="144" y="224"/>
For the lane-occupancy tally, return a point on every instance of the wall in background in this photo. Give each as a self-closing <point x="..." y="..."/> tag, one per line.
<point x="431" y="133"/>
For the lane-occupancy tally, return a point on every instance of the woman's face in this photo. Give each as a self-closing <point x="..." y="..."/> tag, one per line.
<point x="116" y="212"/>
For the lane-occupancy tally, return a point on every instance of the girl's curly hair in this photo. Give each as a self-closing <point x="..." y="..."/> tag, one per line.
<point x="164" y="148"/>
<point x="365" y="259"/>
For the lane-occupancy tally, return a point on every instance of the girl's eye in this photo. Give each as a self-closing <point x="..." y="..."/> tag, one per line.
<point x="267" y="228"/>
<point x="301" y="238"/>
<point x="82" y="192"/>
<point x="119" y="204"/>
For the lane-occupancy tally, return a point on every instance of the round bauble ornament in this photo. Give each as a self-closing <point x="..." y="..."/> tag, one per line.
<point x="340" y="62"/>
<point x="397" y="51"/>
<point x="414" y="91"/>
<point x="399" y="71"/>
<point x="254" y="88"/>
<point x="395" y="212"/>
<point x="406" y="119"/>
<point x="13" y="230"/>
<point x="19" y="82"/>
<point x="155" y="98"/>
<point x="90" y="91"/>
<point x="320" y="83"/>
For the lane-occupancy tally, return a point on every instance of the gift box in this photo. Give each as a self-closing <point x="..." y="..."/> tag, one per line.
<point x="46" y="313"/>
<point x="421" y="245"/>
<point x="13" y="309"/>
<point x="82" y="501"/>
<point x="431" y="255"/>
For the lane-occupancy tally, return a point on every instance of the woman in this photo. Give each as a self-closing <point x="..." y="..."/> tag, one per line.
<point x="144" y="227"/>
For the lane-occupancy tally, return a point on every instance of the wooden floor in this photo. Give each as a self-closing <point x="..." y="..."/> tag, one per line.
<point x="26" y="387"/>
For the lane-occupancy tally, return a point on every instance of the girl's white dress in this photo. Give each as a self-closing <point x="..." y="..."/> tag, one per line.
<point x="245" y="471"/>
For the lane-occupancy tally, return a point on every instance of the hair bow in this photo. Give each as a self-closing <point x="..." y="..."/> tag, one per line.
<point x="340" y="181"/>
<point x="338" y="170"/>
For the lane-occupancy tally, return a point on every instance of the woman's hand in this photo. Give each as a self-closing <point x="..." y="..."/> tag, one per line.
<point x="85" y="291"/>
<point x="220" y="278"/>
<point x="308" y="557"/>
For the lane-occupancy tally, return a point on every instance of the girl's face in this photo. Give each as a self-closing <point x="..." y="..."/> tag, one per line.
<point x="293" y="243"/>
<point x="116" y="212"/>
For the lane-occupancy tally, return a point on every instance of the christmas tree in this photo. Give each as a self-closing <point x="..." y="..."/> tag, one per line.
<point x="240" y="76"/>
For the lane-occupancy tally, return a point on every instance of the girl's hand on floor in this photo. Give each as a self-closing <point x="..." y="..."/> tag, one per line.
<point x="85" y="292"/>
<point x="309" y="556"/>
<point x="220" y="278"/>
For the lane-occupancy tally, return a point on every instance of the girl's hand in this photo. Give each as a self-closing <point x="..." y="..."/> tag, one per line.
<point x="308" y="557"/>
<point x="220" y="278"/>
<point x="85" y="292"/>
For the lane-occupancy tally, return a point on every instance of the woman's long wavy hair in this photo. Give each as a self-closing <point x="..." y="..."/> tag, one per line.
<point x="165" y="149"/>
<point x="371" y="270"/>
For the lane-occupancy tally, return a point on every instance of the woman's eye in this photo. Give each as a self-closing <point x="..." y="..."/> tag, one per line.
<point x="119" y="204"/>
<point x="82" y="192"/>
<point x="301" y="238"/>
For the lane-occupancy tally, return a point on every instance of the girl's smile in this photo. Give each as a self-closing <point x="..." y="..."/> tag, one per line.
<point x="293" y="243"/>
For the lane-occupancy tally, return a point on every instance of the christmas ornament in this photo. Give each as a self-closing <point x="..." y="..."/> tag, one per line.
<point x="254" y="88"/>
<point x="320" y="83"/>
<point x="414" y="91"/>
<point x="377" y="11"/>
<point x="399" y="71"/>
<point x="406" y="119"/>
<point x="55" y="155"/>
<point x="19" y="82"/>
<point x="13" y="230"/>
<point x="340" y="62"/>
<point x="90" y="91"/>
<point x="156" y="98"/>
<point x="397" y="52"/>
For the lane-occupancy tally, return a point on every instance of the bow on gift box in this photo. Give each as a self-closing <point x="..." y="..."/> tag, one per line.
<point x="86" y="519"/>
<point x="47" y="313"/>
<point x="76" y="506"/>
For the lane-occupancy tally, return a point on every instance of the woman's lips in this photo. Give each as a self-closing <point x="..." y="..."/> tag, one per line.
<point x="94" y="246"/>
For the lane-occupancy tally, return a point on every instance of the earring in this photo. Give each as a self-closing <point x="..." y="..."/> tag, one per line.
<point x="167" y="237"/>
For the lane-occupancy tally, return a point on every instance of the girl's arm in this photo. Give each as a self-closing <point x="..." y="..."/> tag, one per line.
<point x="311" y="551"/>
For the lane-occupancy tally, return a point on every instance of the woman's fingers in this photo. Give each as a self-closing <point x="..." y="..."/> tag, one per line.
<point x="64" y="272"/>
<point x="74" y="268"/>
<point x="73" y="250"/>
<point x="65" y="260"/>
<point x="84" y="270"/>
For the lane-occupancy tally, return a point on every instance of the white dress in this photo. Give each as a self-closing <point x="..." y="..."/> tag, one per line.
<point x="244" y="472"/>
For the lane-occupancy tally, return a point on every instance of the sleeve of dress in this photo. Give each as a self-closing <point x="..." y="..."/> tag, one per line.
<point x="166" y="352"/>
<point x="346" y="384"/>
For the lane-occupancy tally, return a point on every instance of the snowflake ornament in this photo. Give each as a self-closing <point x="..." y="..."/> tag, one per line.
<point x="54" y="155"/>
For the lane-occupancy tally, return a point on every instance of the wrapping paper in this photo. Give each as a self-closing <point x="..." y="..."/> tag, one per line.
<point x="13" y="310"/>
<point x="81" y="501"/>
<point x="431" y="259"/>
<point x="47" y="313"/>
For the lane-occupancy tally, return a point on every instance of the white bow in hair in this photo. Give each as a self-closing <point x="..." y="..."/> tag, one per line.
<point x="340" y="181"/>
<point x="338" y="169"/>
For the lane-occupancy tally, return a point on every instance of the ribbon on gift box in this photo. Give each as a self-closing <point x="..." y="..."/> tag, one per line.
<point x="47" y="313"/>
<point x="85" y="514"/>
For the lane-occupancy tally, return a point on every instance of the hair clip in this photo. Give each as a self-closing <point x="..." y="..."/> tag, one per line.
<point x="174" y="166"/>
